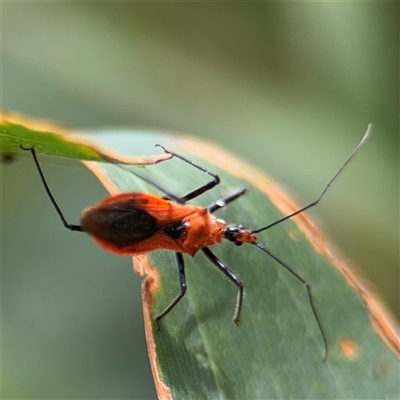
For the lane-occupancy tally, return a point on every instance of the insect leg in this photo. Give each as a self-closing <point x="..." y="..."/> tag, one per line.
<point x="182" y="284"/>
<point x="308" y="288"/>
<point x="226" y="200"/>
<point x="202" y="189"/>
<point x="63" y="220"/>
<point x="232" y="277"/>
<point x="168" y="195"/>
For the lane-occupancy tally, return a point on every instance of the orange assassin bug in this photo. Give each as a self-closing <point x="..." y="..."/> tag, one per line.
<point x="134" y="223"/>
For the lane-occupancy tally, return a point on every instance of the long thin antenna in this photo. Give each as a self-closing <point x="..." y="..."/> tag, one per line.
<point x="310" y="298"/>
<point x="355" y="151"/>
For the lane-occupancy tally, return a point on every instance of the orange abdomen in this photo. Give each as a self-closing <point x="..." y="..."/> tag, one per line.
<point x="135" y="223"/>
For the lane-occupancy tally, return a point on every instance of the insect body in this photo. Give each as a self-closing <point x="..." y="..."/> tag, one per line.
<point x="136" y="223"/>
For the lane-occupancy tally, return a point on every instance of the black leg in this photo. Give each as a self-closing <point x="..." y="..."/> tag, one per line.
<point x="226" y="200"/>
<point x="232" y="277"/>
<point x="202" y="189"/>
<point x="308" y="288"/>
<point x="168" y="195"/>
<point x="182" y="284"/>
<point x="70" y="227"/>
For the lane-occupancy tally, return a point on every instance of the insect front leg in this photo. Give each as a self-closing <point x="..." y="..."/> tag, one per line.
<point x="232" y="277"/>
<point x="182" y="284"/>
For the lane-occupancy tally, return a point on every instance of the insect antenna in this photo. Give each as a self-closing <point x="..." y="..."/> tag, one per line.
<point x="310" y="298"/>
<point x="315" y="202"/>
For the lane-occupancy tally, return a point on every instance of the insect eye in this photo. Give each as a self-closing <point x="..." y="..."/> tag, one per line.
<point x="231" y="233"/>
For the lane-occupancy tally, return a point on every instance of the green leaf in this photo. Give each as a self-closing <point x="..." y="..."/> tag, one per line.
<point x="277" y="350"/>
<point x="45" y="137"/>
<point x="49" y="138"/>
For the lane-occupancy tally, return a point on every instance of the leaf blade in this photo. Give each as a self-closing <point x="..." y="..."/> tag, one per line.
<point x="278" y="337"/>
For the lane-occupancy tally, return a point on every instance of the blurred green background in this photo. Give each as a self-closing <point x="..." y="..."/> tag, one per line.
<point x="289" y="87"/>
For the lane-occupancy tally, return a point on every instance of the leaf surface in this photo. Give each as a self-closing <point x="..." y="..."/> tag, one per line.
<point x="46" y="137"/>
<point x="277" y="350"/>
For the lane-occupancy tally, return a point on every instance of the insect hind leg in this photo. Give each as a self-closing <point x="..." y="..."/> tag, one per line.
<point x="71" y="227"/>
<point x="202" y="189"/>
